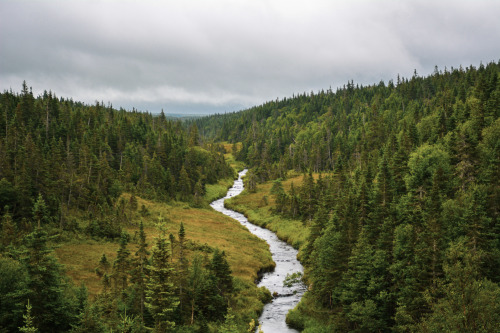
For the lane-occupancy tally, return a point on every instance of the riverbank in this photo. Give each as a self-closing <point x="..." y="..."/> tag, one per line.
<point x="258" y="208"/>
<point x="287" y="296"/>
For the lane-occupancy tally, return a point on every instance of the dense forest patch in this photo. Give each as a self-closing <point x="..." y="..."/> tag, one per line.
<point x="408" y="204"/>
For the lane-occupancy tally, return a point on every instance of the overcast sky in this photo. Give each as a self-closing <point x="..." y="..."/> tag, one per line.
<point x="189" y="56"/>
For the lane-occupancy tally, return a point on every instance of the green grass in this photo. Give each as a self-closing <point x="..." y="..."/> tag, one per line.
<point x="217" y="191"/>
<point x="259" y="211"/>
<point x="246" y="253"/>
<point x="307" y="317"/>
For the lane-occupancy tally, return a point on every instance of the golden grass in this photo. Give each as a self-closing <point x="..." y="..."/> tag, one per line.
<point x="228" y="147"/>
<point x="246" y="253"/>
<point x="80" y="261"/>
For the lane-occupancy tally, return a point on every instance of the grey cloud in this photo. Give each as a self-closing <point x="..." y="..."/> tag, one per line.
<point x="218" y="55"/>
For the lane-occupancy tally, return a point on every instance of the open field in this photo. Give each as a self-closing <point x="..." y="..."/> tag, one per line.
<point x="205" y="231"/>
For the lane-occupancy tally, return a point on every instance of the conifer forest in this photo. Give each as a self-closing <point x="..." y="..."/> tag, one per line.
<point x="392" y="189"/>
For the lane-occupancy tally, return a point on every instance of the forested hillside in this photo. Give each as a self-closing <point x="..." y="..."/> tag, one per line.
<point x="77" y="156"/>
<point x="89" y="178"/>
<point x="404" y="218"/>
<point x="400" y="199"/>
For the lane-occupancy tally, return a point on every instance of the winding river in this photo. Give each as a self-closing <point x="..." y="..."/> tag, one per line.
<point x="285" y="256"/>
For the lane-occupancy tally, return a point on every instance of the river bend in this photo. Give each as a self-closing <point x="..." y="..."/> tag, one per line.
<point x="285" y="256"/>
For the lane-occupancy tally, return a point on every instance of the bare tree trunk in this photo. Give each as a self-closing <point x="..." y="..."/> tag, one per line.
<point x="192" y="312"/>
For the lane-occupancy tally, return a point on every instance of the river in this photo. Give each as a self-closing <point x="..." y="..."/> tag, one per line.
<point x="285" y="256"/>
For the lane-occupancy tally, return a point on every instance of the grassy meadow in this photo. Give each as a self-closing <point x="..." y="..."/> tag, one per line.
<point x="205" y="230"/>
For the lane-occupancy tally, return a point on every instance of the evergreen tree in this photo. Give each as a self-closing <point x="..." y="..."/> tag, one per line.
<point x="201" y="292"/>
<point x="468" y="303"/>
<point x="184" y="184"/>
<point x="51" y="309"/>
<point x="161" y="299"/>
<point x="220" y="268"/>
<point x="404" y="272"/>
<point x="121" y="266"/>
<point x="182" y="270"/>
<point x="365" y="296"/>
<point x="13" y="293"/>
<point x="139" y="277"/>
<point x="229" y="324"/>
<point x="330" y="262"/>
<point x="40" y="211"/>
<point x="103" y="267"/>
<point x="28" y="321"/>
<point x="8" y="229"/>
<point x="308" y="200"/>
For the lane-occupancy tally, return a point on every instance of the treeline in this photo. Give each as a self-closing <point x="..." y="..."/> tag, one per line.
<point x="404" y="220"/>
<point x="67" y="155"/>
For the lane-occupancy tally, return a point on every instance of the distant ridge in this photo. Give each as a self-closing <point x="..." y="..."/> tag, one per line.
<point x="178" y="116"/>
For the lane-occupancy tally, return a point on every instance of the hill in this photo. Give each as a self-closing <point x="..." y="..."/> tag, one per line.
<point x="403" y="223"/>
<point x="121" y="199"/>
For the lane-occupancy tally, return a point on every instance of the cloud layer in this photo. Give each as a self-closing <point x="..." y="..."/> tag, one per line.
<point x="224" y="55"/>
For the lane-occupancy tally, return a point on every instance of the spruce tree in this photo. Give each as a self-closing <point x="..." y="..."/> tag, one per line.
<point x="8" y="229"/>
<point x="365" y="295"/>
<point x="199" y="291"/>
<point x="182" y="266"/>
<point x="469" y="303"/>
<point x="103" y="267"/>
<point x="161" y="299"/>
<point x="40" y="211"/>
<point x="13" y="293"/>
<point x="51" y="309"/>
<point x="139" y="272"/>
<point x="184" y="184"/>
<point x="220" y="267"/>
<point x="28" y="321"/>
<point x="329" y="262"/>
<point x="121" y="266"/>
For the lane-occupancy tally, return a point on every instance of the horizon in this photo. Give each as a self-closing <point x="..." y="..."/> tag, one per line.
<point x="194" y="112"/>
<point x="224" y="56"/>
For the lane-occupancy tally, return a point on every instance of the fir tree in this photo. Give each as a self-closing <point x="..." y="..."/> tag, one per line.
<point x="220" y="267"/>
<point x="104" y="266"/>
<point x="28" y="321"/>
<point x="139" y="276"/>
<point x="51" y="310"/>
<point x="40" y="211"/>
<point x="182" y="266"/>
<point x="121" y="266"/>
<point x="161" y="299"/>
